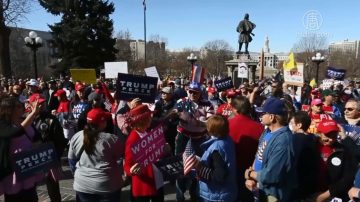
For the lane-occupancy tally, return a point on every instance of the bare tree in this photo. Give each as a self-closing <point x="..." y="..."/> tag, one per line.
<point x="123" y="35"/>
<point x="308" y="46"/>
<point x="215" y="53"/>
<point x="156" y="38"/>
<point x="11" y="12"/>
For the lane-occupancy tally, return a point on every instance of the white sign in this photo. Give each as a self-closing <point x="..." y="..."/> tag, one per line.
<point x="243" y="70"/>
<point x="295" y="76"/>
<point x="113" y="68"/>
<point x="152" y="72"/>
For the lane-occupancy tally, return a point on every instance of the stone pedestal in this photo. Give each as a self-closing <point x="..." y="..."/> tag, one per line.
<point x="232" y="66"/>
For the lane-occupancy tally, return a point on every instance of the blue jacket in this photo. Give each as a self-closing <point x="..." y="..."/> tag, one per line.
<point x="278" y="174"/>
<point x="227" y="189"/>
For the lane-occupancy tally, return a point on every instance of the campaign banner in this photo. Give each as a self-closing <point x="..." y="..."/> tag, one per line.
<point x="129" y="86"/>
<point x="150" y="148"/>
<point x="335" y="73"/>
<point x="353" y="132"/>
<point x="171" y="167"/>
<point x="87" y="76"/>
<point x="243" y="70"/>
<point x="113" y="68"/>
<point x="295" y="76"/>
<point x="38" y="160"/>
<point x="224" y="84"/>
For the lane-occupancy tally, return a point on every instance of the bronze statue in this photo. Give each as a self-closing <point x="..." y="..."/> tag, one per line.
<point x="245" y="29"/>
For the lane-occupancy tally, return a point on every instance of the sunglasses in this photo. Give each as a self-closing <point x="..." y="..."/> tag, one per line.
<point x="349" y="109"/>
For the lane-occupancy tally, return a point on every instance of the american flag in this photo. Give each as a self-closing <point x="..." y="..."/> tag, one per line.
<point x="108" y="105"/>
<point x="189" y="158"/>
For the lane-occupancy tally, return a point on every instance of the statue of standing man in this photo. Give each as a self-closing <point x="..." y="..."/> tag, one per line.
<point x="245" y="29"/>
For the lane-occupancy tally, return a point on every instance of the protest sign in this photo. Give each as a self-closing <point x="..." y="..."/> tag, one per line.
<point x="243" y="70"/>
<point x="40" y="159"/>
<point x="224" y="84"/>
<point x="152" y="72"/>
<point x="129" y="86"/>
<point x="150" y="148"/>
<point x="335" y="73"/>
<point x="353" y="132"/>
<point x="171" y="167"/>
<point x="113" y="68"/>
<point x="295" y="76"/>
<point x="87" y="76"/>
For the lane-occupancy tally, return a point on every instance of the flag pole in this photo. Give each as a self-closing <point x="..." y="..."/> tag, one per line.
<point x="144" y="4"/>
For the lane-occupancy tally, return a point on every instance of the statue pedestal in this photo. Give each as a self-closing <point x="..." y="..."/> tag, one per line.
<point x="232" y="66"/>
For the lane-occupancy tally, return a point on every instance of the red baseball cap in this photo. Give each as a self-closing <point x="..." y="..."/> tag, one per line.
<point x="97" y="115"/>
<point x="79" y="87"/>
<point x="36" y="96"/>
<point x="60" y="92"/>
<point x="211" y="90"/>
<point x="327" y="126"/>
<point x="230" y="93"/>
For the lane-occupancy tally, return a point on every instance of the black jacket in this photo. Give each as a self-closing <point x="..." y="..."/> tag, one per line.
<point x="7" y="132"/>
<point x="50" y="131"/>
<point x="342" y="166"/>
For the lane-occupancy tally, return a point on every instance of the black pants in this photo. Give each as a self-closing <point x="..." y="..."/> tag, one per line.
<point x="109" y="197"/>
<point x="53" y="188"/>
<point x="28" y="195"/>
<point x="157" y="198"/>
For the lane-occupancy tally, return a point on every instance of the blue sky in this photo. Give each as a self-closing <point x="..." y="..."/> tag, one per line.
<point x="192" y="23"/>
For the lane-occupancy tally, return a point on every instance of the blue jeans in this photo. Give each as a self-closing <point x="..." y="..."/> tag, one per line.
<point x="110" y="197"/>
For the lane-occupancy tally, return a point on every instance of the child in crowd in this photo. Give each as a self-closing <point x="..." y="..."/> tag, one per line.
<point x="217" y="167"/>
<point x="143" y="178"/>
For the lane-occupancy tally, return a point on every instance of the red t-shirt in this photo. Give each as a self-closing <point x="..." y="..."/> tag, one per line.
<point x="245" y="133"/>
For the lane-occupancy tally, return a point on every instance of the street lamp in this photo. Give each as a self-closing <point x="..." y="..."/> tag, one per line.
<point x="192" y="58"/>
<point x="33" y="42"/>
<point x="318" y="59"/>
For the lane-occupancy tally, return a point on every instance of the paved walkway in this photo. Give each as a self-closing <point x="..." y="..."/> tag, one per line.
<point x="68" y="194"/>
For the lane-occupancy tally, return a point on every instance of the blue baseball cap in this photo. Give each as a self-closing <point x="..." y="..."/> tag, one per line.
<point x="273" y="106"/>
<point x="195" y="86"/>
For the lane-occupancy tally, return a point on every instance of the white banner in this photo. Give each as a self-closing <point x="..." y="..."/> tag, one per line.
<point x="152" y="72"/>
<point x="243" y="70"/>
<point x="295" y="76"/>
<point x="113" y="68"/>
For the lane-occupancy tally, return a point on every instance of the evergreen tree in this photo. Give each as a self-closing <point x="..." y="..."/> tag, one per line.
<point x="84" y="35"/>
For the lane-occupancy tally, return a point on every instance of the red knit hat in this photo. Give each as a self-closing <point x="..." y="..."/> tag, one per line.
<point x="139" y="112"/>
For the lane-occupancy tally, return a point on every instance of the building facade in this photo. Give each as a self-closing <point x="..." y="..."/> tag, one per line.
<point x="346" y="46"/>
<point x="154" y="49"/>
<point x="21" y="56"/>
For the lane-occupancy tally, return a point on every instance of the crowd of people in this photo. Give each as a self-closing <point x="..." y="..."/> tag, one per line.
<point x="259" y="141"/>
